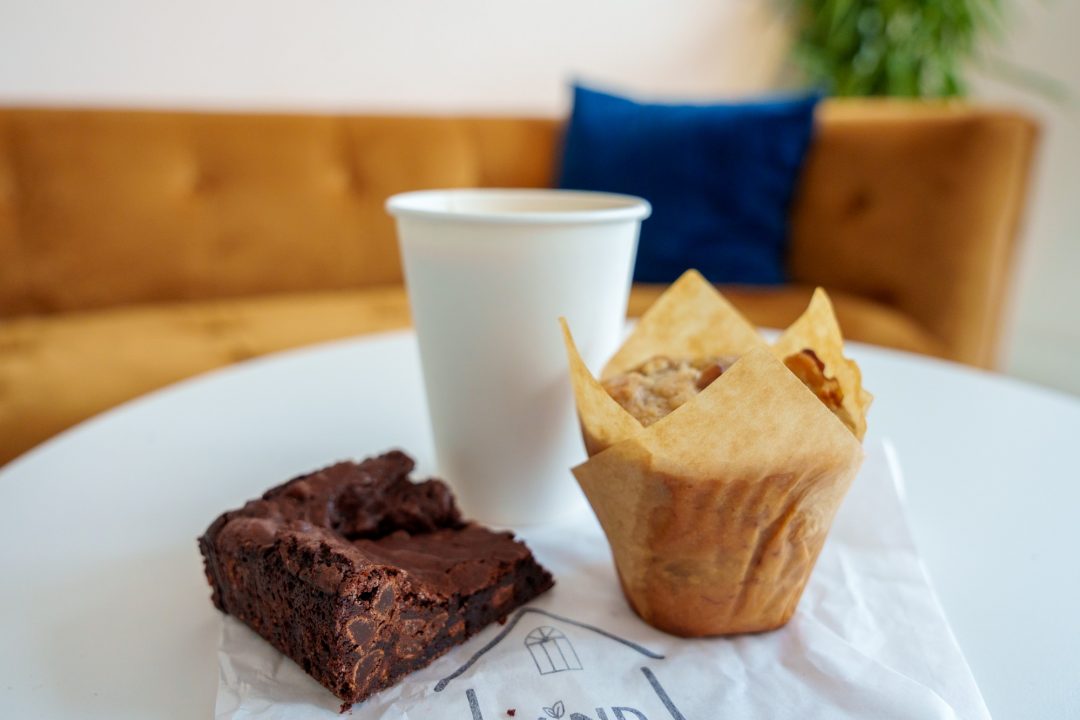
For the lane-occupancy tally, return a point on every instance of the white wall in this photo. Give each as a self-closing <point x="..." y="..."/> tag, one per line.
<point x="1045" y="337"/>
<point x="493" y="55"/>
<point x="515" y="56"/>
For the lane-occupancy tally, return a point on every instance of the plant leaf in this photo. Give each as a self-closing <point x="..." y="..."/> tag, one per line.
<point x="915" y="48"/>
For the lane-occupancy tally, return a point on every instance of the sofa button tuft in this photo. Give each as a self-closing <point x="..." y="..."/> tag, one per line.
<point x="859" y="204"/>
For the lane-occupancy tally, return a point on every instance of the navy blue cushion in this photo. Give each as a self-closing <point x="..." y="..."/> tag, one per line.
<point x="720" y="178"/>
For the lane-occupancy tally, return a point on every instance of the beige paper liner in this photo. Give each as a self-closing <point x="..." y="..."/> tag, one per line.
<point x="717" y="512"/>
<point x="690" y="320"/>
<point x="818" y="330"/>
<point x="603" y="421"/>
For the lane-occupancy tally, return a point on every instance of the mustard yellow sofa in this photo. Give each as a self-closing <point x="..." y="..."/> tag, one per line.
<point x="139" y="248"/>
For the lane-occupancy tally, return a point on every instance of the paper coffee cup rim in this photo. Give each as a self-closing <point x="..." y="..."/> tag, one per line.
<point x="513" y="206"/>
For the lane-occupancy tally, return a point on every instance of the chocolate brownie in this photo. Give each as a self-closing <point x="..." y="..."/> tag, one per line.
<point x="361" y="575"/>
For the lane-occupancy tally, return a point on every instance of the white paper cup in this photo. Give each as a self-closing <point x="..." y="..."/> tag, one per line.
<point x="489" y="272"/>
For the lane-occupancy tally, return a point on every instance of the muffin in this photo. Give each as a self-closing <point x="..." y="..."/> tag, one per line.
<point x="716" y="461"/>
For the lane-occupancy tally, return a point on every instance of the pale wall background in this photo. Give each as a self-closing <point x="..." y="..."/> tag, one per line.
<point x="515" y="56"/>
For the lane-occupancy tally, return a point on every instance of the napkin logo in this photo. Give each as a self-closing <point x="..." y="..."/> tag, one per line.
<point x="552" y="653"/>
<point x="555" y="711"/>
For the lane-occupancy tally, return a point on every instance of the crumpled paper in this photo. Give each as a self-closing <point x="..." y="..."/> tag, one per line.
<point x="869" y="640"/>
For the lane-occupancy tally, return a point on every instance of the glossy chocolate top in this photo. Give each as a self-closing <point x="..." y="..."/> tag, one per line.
<point x="353" y="519"/>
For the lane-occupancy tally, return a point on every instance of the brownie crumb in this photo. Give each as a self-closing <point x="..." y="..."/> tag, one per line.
<point x="511" y="712"/>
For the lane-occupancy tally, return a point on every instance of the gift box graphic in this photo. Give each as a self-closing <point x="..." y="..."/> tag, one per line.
<point x="551" y="650"/>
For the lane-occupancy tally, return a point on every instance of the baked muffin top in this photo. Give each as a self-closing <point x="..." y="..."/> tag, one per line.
<point x="661" y="384"/>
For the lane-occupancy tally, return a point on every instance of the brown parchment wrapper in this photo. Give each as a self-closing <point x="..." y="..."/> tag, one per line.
<point x="717" y="512"/>
<point x="818" y="330"/>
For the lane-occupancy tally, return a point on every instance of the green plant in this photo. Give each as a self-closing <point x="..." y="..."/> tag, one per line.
<point x="908" y="48"/>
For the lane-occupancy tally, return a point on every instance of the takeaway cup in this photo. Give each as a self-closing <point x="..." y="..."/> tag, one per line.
<point x="489" y="273"/>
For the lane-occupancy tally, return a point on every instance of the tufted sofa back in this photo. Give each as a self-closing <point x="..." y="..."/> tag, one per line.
<point x="101" y="208"/>
<point x="917" y="206"/>
<point x="910" y="204"/>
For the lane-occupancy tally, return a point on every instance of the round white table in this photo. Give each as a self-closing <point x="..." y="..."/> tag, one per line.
<point x="105" y="613"/>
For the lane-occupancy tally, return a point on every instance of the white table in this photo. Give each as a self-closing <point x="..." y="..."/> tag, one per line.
<point x="105" y="613"/>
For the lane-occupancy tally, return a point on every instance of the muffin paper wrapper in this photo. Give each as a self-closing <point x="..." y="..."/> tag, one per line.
<point x="868" y="639"/>
<point x="717" y="512"/>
